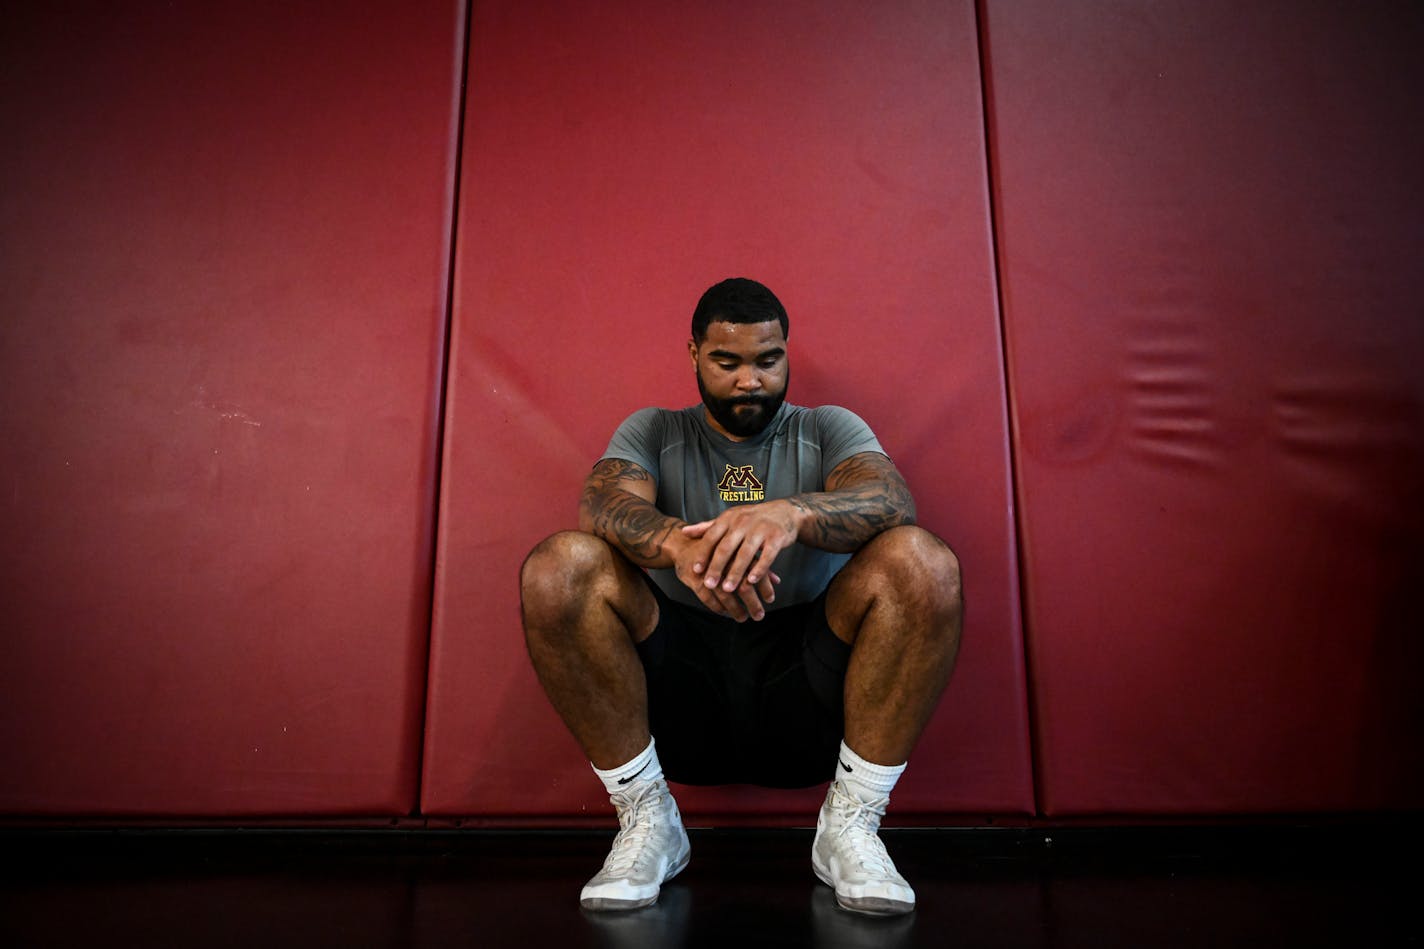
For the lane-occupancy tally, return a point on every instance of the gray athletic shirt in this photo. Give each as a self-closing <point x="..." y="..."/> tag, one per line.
<point x="700" y="473"/>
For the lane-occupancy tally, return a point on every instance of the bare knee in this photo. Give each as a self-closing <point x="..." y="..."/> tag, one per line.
<point x="914" y="551"/>
<point x="562" y="571"/>
<point x="914" y="567"/>
<point x="574" y="584"/>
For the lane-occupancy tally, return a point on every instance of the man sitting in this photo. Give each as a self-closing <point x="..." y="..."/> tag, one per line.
<point x="748" y="585"/>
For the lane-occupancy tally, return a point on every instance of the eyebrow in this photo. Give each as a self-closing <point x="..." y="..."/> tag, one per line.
<point x="736" y="357"/>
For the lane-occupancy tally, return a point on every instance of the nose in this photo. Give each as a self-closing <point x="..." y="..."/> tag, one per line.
<point x="748" y="379"/>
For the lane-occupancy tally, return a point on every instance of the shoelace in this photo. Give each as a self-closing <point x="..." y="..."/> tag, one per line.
<point x="860" y="820"/>
<point x="636" y="827"/>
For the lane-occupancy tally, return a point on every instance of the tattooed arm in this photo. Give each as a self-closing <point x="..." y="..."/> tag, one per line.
<point x="617" y="505"/>
<point x="864" y="495"/>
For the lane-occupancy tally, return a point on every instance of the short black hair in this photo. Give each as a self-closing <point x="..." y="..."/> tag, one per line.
<point x="737" y="300"/>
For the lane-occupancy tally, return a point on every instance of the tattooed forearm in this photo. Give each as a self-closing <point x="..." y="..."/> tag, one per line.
<point x="611" y="509"/>
<point x="865" y="495"/>
<point x="637" y="527"/>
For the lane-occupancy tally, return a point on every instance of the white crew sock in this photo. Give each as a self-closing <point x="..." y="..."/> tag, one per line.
<point x="868" y="782"/>
<point x="644" y="767"/>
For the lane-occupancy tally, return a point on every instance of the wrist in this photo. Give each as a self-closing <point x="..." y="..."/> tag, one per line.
<point x="674" y="542"/>
<point x="800" y="514"/>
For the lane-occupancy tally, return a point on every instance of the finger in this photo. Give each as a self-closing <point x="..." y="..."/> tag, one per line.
<point x="705" y="596"/>
<point x="724" y="549"/>
<point x="702" y="550"/>
<point x="732" y="605"/>
<point x="715" y="605"/>
<point x="749" y="600"/>
<point x="740" y="567"/>
<point x="712" y="530"/>
<point x="708" y="598"/>
<point x="766" y="556"/>
<point x="695" y="532"/>
<point x="766" y="590"/>
<point x="714" y="599"/>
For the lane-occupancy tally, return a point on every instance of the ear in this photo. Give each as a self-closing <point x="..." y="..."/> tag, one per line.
<point x="692" y="352"/>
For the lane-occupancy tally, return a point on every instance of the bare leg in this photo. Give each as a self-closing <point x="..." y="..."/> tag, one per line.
<point x="898" y="603"/>
<point x="584" y="607"/>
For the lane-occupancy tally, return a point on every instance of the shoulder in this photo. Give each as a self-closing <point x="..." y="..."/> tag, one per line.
<point x="650" y="433"/>
<point x="839" y="434"/>
<point x="836" y="419"/>
<point x="645" y="416"/>
<point x="645" y="422"/>
<point x="834" y="413"/>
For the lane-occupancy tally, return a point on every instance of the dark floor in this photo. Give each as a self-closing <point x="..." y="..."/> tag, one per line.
<point x="1154" y="887"/>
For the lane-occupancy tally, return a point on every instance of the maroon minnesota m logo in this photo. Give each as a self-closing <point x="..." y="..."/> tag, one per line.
<point x="739" y="478"/>
<point x="739" y="484"/>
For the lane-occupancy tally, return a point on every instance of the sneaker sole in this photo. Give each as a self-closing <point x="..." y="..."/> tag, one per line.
<point x="599" y="904"/>
<point x="616" y="906"/>
<point x="867" y="905"/>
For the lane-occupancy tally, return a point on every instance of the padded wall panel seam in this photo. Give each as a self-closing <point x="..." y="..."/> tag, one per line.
<point x="1010" y="417"/>
<point x="441" y="372"/>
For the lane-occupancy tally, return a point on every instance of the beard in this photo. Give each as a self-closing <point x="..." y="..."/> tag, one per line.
<point x="742" y="415"/>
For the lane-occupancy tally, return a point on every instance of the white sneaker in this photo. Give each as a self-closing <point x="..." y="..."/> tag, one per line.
<point x="650" y="849"/>
<point x="849" y="856"/>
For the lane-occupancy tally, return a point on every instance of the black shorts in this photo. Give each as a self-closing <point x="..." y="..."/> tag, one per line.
<point x="759" y="702"/>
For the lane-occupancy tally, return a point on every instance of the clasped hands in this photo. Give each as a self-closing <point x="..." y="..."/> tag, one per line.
<point x="727" y="561"/>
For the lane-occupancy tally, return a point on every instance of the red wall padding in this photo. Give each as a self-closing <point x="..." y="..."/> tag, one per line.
<point x="224" y="244"/>
<point x="223" y="271"/>
<point x="613" y="168"/>
<point x="1210" y="217"/>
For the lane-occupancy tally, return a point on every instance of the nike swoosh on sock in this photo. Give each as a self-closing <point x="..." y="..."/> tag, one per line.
<point x="846" y="766"/>
<point x="640" y="771"/>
